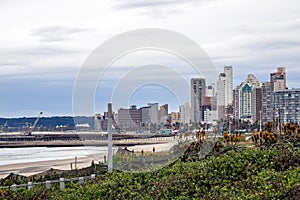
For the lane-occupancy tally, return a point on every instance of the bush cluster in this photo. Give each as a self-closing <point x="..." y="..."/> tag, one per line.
<point x="254" y="173"/>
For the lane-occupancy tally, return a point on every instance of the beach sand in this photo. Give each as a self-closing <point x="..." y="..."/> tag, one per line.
<point x="158" y="147"/>
<point x="31" y="168"/>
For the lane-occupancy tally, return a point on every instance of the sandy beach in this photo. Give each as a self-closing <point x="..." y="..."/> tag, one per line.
<point x="158" y="147"/>
<point x="31" y="168"/>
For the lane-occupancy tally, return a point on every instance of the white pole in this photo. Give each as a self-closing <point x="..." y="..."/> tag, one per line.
<point x="14" y="187"/>
<point x="30" y="185"/>
<point x="81" y="180"/>
<point x="260" y="121"/>
<point x="109" y="132"/>
<point x="62" y="183"/>
<point x="75" y="162"/>
<point x="93" y="176"/>
<point x="48" y="184"/>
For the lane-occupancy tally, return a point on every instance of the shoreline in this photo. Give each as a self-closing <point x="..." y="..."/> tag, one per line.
<point x="72" y="143"/>
<point x="31" y="168"/>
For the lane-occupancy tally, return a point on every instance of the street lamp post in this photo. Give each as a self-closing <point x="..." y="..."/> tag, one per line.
<point x="109" y="133"/>
<point x="279" y="121"/>
<point x="230" y="122"/>
<point x="260" y="121"/>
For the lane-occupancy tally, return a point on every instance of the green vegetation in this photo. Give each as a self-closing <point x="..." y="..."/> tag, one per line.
<point x="271" y="172"/>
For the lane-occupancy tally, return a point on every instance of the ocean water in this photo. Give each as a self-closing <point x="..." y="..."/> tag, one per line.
<point x="36" y="154"/>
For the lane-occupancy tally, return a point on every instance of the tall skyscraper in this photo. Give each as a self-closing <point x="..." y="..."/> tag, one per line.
<point x="198" y="87"/>
<point x="163" y="110"/>
<point x="246" y="105"/>
<point x="228" y="85"/>
<point x="236" y="103"/>
<point x="277" y="83"/>
<point x="258" y="106"/>
<point x="146" y="120"/>
<point x="163" y="113"/>
<point x="266" y="95"/>
<point x="221" y="106"/>
<point x="247" y="99"/>
<point x="278" y="79"/>
<point x="224" y="92"/>
<point x="154" y="113"/>
<point x="185" y="113"/>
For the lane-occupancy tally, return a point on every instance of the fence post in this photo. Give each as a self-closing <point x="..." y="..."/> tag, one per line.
<point x="48" y="184"/>
<point x="29" y="185"/>
<point x="75" y="162"/>
<point x="81" y="180"/>
<point x="62" y="183"/>
<point x="14" y="187"/>
<point x="93" y="176"/>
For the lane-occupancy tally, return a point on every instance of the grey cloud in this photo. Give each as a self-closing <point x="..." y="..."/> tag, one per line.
<point x="158" y="8"/>
<point x="294" y="24"/>
<point x="36" y="62"/>
<point x="129" y="4"/>
<point x="271" y="44"/>
<point x="154" y="3"/>
<point x="36" y="51"/>
<point x="59" y="75"/>
<point x="272" y="36"/>
<point x="56" y="33"/>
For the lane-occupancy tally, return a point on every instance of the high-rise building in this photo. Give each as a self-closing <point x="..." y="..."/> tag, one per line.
<point x="277" y="83"/>
<point x="266" y="102"/>
<point x="286" y="106"/>
<point x="175" y="117"/>
<point x="209" y="108"/>
<point x="246" y="102"/>
<point x="225" y="93"/>
<point x="258" y="106"/>
<point x="228" y="85"/>
<point x="210" y="115"/>
<point x="163" y="110"/>
<point x="221" y="106"/>
<point x="185" y="113"/>
<point x="154" y="113"/>
<point x="210" y="90"/>
<point x="236" y="103"/>
<point x="198" y="87"/>
<point x="278" y="79"/>
<point x="163" y="113"/>
<point x="129" y="119"/>
<point x="146" y="120"/>
<point x="247" y="99"/>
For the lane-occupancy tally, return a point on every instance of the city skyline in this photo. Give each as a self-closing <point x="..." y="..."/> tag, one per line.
<point x="42" y="52"/>
<point x="252" y="101"/>
<point x="177" y="106"/>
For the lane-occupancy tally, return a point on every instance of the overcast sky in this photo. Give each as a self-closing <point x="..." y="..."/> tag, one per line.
<point x="44" y="44"/>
